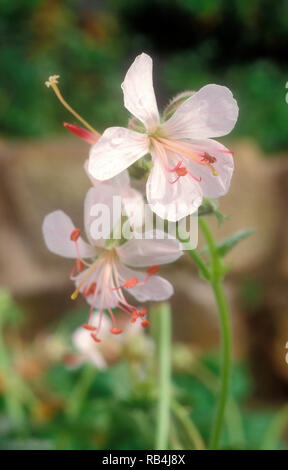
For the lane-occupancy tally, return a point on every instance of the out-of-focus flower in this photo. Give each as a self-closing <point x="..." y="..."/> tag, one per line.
<point x="110" y="351"/>
<point x="187" y="163"/>
<point x="104" y="280"/>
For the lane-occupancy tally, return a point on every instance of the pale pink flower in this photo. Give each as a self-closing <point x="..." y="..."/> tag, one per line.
<point x="104" y="279"/>
<point x="187" y="163"/>
<point x="109" y="351"/>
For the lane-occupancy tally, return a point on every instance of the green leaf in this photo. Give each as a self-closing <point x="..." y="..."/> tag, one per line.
<point x="227" y="245"/>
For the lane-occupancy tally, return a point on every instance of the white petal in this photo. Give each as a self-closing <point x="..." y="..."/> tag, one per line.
<point x="57" y="228"/>
<point x="116" y="150"/>
<point x="157" y="288"/>
<point x="102" y="212"/>
<point x="211" y="112"/>
<point x="172" y="201"/>
<point x="158" y="249"/>
<point x="213" y="186"/>
<point x="120" y="181"/>
<point x="139" y="97"/>
<point x="133" y="206"/>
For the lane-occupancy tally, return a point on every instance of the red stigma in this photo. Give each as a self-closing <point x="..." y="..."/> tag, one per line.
<point x="152" y="270"/>
<point x="116" y="331"/>
<point x="75" y="234"/>
<point x="88" y="327"/>
<point x="145" y="323"/>
<point x="132" y="282"/>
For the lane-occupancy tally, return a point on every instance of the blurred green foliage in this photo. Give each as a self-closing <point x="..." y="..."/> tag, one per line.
<point x="56" y="407"/>
<point x="238" y="43"/>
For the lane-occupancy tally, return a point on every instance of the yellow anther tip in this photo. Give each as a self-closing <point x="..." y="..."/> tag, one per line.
<point x="215" y="173"/>
<point x="74" y="295"/>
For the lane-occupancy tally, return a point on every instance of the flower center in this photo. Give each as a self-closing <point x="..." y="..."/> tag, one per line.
<point x="102" y="283"/>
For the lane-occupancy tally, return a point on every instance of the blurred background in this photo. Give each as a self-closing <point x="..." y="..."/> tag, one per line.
<point x="46" y="402"/>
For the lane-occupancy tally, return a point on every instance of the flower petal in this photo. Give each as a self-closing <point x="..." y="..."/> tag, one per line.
<point x="158" y="249"/>
<point x="133" y="206"/>
<point x="120" y="181"/>
<point x="102" y="212"/>
<point x="116" y="150"/>
<point x="139" y="97"/>
<point x="210" y="112"/>
<point x="57" y="228"/>
<point x="213" y="186"/>
<point x="156" y="288"/>
<point x="172" y="201"/>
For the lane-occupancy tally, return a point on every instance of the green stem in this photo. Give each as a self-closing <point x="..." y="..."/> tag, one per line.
<point x="164" y="371"/>
<point x="216" y="274"/>
<point x="188" y="425"/>
<point x="225" y="363"/>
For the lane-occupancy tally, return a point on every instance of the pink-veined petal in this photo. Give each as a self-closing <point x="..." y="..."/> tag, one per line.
<point x="57" y="228"/>
<point x="210" y="112"/>
<point x="158" y="248"/>
<point x="213" y="186"/>
<point x="116" y="150"/>
<point x="139" y="97"/>
<point x="102" y="212"/>
<point x="172" y="201"/>
<point x="156" y="288"/>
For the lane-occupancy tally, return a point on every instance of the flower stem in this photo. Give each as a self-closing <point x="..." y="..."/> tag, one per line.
<point x="225" y="363"/>
<point x="216" y="272"/>
<point x="164" y="371"/>
<point x="188" y="425"/>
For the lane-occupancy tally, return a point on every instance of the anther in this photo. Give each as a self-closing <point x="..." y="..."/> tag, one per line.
<point x="88" y="327"/>
<point x="132" y="282"/>
<point x="116" y="331"/>
<point x="152" y="270"/>
<point x="96" y="339"/>
<point x="143" y="312"/>
<point x="145" y="323"/>
<point x="182" y="171"/>
<point x="75" y="234"/>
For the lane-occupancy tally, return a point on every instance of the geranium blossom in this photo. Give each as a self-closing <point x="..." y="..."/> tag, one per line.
<point x="104" y="279"/>
<point x="187" y="163"/>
